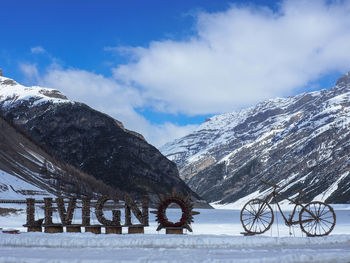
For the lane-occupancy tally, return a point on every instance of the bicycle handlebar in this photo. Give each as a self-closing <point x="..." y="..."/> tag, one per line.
<point x="269" y="184"/>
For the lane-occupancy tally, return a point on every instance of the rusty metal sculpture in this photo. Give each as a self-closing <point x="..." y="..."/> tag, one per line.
<point x="186" y="207"/>
<point x="315" y="218"/>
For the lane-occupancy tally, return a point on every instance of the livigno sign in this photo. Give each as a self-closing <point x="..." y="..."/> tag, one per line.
<point x="65" y="210"/>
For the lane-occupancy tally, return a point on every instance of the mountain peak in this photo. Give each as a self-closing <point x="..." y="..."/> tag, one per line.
<point x="344" y="80"/>
<point x="7" y="81"/>
<point x="13" y="92"/>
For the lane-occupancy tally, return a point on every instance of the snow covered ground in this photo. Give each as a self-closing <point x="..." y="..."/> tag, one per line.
<point x="216" y="238"/>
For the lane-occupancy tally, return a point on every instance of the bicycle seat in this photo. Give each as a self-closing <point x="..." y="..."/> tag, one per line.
<point x="269" y="184"/>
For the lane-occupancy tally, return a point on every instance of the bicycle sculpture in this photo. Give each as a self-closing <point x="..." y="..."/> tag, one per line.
<point x="315" y="218"/>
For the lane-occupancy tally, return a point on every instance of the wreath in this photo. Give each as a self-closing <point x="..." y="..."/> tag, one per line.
<point x="162" y="218"/>
<point x="186" y="208"/>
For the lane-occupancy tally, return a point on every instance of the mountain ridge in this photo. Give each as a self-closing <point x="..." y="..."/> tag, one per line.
<point x="90" y="140"/>
<point x="284" y="139"/>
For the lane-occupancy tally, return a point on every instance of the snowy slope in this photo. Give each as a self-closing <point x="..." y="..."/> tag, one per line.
<point x="26" y="170"/>
<point x="15" y="188"/>
<point x="299" y="142"/>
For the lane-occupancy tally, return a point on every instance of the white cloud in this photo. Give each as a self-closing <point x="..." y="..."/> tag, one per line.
<point x="30" y="71"/>
<point x="162" y="133"/>
<point x="108" y="96"/>
<point x="236" y="58"/>
<point x="37" y="50"/>
<point x="241" y="56"/>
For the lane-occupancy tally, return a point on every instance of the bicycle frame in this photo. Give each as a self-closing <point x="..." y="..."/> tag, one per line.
<point x="289" y="222"/>
<point x="315" y="218"/>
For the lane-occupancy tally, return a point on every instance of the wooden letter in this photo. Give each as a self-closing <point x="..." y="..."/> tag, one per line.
<point x="99" y="213"/>
<point x="66" y="216"/>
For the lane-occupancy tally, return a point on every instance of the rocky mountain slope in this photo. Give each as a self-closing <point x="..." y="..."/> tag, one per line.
<point x="26" y="170"/>
<point x="90" y="140"/>
<point x="300" y="142"/>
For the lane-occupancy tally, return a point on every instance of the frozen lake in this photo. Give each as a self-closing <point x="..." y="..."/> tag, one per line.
<point x="216" y="238"/>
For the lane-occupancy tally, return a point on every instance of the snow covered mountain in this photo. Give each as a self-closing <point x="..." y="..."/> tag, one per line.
<point x="300" y="143"/>
<point x="12" y="93"/>
<point x="90" y="140"/>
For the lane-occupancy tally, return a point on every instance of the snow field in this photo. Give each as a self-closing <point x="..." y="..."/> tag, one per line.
<point x="215" y="238"/>
<point x="89" y="240"/>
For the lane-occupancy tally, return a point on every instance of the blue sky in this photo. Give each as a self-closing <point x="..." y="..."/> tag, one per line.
<point x="77" y="32"/>
<point x="162" y="67"/>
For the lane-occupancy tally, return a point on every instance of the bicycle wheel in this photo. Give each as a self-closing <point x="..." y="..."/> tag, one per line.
<point x="256" y="216"/>
<point x="317" y="219"/>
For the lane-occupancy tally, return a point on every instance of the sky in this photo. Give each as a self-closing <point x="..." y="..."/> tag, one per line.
<point x="162" y="66"/>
